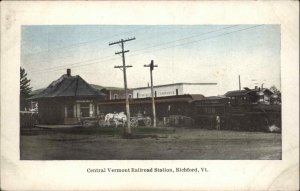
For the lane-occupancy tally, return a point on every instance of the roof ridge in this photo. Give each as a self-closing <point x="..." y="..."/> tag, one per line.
<point x="65" y="78"/>
<point x="77" y="77"/>
<point x="56" y="83"/>
<point x="89" y="85"/>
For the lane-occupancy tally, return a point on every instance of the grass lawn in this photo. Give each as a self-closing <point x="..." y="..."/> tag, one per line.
<point x="147" y="143"/>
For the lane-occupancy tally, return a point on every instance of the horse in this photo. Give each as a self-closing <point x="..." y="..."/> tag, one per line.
<point x="108" y="118"/>
<point x="117" y="118"/>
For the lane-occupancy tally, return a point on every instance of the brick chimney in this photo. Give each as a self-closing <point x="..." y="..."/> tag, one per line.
<point x="68" y="72"/>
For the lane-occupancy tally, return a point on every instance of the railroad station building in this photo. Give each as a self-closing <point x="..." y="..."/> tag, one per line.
<point x="66" y="100"/>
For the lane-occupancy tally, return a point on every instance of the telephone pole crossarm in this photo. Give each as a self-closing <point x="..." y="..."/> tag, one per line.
<point x="121" y="52"/>
<point x="148" y="65"/>
<point x="128" y="66"/>
<point x="121" y="41"/>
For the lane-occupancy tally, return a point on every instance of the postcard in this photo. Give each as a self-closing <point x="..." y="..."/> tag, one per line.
<point x="159" y="95"/>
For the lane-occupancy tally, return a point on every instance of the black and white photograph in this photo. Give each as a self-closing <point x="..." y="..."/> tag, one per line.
<point x="153" y="92"/>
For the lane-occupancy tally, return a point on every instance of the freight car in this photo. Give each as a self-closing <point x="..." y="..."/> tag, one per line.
<point x="245" y="110"/>
<point x="248" y="110"/>
<point x="205" y="112"/>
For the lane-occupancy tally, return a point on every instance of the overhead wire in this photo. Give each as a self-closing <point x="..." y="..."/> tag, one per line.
<point x="63" y="66"/>
<point x="189" y="37"/>
<point x="83" y="43"/>
<point x="161" y="44"/>
<point x="183" y="44"/>
<point x="73" y="64"/>
<point x="196" y="41"/>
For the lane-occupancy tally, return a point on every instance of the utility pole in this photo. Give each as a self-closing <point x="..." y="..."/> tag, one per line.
<point x="151" y="65"/>
<point x="239" y="83"/>
<point x="127" y="131"/>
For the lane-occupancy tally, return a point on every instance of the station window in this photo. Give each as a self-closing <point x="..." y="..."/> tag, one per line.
<point x="115" y="96"/>
<point x="85" y="109"/>
<point x="209" y="110"/>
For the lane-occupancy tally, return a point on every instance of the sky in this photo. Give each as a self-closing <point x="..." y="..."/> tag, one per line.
<point x="183" y="53"/>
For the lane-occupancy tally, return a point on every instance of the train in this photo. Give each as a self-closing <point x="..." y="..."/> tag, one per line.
<point x="246" y="110"/>
<point x="243" y="116"/>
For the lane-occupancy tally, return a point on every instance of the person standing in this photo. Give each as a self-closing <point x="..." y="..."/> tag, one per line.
<point x="218" y="121"/>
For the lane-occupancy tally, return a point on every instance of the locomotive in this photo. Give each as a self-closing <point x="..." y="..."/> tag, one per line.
<point x="247" y="110"/>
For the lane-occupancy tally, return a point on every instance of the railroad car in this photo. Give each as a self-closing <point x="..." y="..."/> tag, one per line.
<point x="248" y="110"/>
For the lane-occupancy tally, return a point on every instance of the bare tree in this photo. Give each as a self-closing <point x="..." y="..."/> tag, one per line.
<point x="275" y="90"/>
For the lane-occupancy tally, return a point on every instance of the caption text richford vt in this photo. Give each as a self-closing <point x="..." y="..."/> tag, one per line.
<point x="125" y="170"/>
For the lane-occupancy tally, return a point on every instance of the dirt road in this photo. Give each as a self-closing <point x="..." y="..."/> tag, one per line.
<point x="198" y="144"/>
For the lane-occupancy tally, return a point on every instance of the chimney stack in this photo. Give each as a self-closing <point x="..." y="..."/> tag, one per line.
<point x="68" y="72"/>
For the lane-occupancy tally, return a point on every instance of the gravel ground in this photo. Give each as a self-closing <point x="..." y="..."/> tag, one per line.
<point x="148" y="144"/>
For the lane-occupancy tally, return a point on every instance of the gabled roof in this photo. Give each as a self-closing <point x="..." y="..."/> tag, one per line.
<point x="215" y="97"/>
<point x="246" y="91"/>
<point x="197" y="96"/>
<point x="68" y="86"/>
<point x="267" y="90"/>
<point x="236" y="93"/>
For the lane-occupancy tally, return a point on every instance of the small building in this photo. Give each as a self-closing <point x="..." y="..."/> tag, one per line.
<point x="114" y="93"/>
<point x="67" y="100"/>
<point x="176" y="89"/>
<point x="248" y="96"/>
